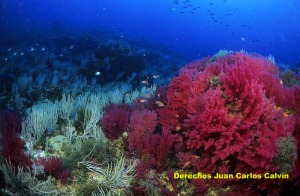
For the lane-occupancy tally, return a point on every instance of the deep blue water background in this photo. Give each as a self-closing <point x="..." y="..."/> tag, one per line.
<point x="193" y="28"/>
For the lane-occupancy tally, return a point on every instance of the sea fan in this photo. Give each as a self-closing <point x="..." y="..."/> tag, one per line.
<point x="115" y="177"/>
<point x="20" y="181"/>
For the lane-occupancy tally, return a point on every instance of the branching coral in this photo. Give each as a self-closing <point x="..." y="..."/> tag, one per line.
<point x="232" y="111"/>
<point x="115" y="120"/>
<point x="115" y="178"/>
<point x="20" y="181"/>
<point x="145" y="144"/>
<point x="286" y="157"/>
<point x="13" y="147"/>
<point x="224" y="114"/>
<point x="54" y="166"/>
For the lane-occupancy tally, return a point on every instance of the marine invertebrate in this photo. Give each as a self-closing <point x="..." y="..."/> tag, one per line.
<point x="52" y="165"/>
<point x="13" y="147"/>
<point x="115" y="120"/>
<point x="40" y="119"/>
<point x="232" y="111"/>
<point x="63" y="176"/>
<point x="150" y="145"/>
<point x="115" y="177"/>
<point x="102" y="152"/>
<point x="287" y="154"/>
<point x="225" y="114"/>
<point x="20" y="181"/>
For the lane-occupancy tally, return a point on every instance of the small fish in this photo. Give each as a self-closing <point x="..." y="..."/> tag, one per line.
<point x="195" y="157"/>
<point x="127" y="94"/>
<point x="148" y="89"/>
<point x="98" y="73"/>
<point x="186" y="164"/>
<point x="145" y="82"/>
<point x="155" y="76"/>
<point x="148" y="95"/>
<point x="143" y="100"/>
<point x="177" y="115"/>
<point x="177" y="128"/>
<point x="227" y="161"/>
<point x="159" y="104"/>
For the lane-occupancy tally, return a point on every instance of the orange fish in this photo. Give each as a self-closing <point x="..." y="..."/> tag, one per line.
<point x="285" y="114"/>
<point x="195" y="157"/>
<point x="143" y="100"/>
<point x="159" y="104"/>
<point x="227" y="161"/>
<point x="186" y="164"/>
<point x="177" y="128"/>
<point x="148" y="95"/>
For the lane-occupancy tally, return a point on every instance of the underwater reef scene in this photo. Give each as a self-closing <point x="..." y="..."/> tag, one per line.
<point x="87" y="116"/>
<point x="150" y="98"/>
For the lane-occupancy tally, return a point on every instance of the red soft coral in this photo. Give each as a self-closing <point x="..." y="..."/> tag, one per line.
<point x="142" y="124"/>
<point x="149" y="145"/>
<point x="13" y="147"/>
<point x="63" y="176"/>
<point x="52" y="165"/>
<point x="232" y="110"/>
<point x="115" y="120"/>
<point x="220" y="115"/>
<point x="153" y="151"/>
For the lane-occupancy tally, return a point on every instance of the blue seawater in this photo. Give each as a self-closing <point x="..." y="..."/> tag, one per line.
<point x="193" y="28"/>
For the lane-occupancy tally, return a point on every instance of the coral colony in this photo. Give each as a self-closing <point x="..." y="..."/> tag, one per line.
<point x="227" y="124"/>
